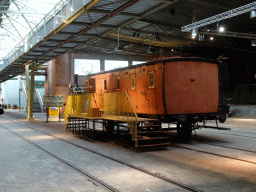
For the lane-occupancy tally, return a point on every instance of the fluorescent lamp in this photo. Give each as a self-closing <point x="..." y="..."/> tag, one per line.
<point x="253" y="14"/>
<point x="194" y="32"/>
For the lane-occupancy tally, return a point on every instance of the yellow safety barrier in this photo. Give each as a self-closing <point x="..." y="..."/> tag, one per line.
<point x="117" y="106"/>
<point x="83" y="105"/>
<point x="110" y="106"/>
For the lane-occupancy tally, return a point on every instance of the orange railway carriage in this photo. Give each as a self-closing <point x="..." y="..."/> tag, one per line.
<point x="182" y="90"/>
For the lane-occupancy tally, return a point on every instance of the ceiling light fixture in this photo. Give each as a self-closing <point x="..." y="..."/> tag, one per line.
<point x="157" y="38"/>
<point x="118" y="48"/>
<point x="253" y="14"/>
<point x="221" y="29"/>
<point x="151" y="50"/>
<point x="194" y="33"/>
<point x="211" y="38"/>
<point x="253" y="43"/>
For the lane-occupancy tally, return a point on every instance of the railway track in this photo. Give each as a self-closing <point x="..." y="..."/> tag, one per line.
<point x="89" y="176"/>
<point x="215" y="154"/>
<point x="92" y="178"/>
<point x="236" y="134"/>
<point x="239" y="149"/>
<point x="221" y="146"/>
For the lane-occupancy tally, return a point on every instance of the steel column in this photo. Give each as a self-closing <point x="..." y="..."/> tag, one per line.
<point x="27" y="84"/>
<point x="102" y="65"/>
<point x="31" y="92"/>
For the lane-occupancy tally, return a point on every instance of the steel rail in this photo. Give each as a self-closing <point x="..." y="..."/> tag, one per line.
<point x="92" y="178"/>
<point x="238" y="149"/>
<point x="215" y="154"/>
<point x="236" y="135"/>
<point x="156" y="175"/>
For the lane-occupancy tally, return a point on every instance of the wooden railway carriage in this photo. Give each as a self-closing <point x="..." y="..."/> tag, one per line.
<point x="182" y="90"/>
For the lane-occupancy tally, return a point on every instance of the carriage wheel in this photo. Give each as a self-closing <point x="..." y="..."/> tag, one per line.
<point x="110" y="126"/>
<point x="184" y="131"/>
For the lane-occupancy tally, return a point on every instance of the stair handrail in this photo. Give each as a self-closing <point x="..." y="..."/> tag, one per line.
<point x="24" y="89"/>
<point x="39" y="96"/>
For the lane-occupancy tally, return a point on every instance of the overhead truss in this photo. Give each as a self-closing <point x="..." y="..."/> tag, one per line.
<point x="228" y="34"/>
<point x="228" y="14"/>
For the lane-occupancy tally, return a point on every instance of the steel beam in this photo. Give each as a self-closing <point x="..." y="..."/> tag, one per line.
<point x="101" y="11"/>
<point x="146" y="41"/>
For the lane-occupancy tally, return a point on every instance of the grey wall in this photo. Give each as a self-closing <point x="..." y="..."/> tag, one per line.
<point x="243" y="110"/>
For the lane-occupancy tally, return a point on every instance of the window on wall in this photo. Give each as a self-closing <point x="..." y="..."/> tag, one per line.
<point x="105" y="84"/>
<point x="111" y="64"/>
<point x="138" y="62"/>
<point x="151" y="79"/>
<point x="132" y="81"/>
<point x="86" y="66"/>
<point x="117" y="82"/>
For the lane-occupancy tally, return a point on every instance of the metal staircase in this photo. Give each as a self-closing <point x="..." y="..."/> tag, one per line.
<point x="150" y="134"/>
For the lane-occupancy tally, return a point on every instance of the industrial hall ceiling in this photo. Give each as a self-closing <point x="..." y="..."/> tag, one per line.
<point x="145" y="27"/>
<point x="154" y="27"/>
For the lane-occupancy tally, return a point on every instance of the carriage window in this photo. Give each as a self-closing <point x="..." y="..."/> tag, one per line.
<point x="117" y="82"/>
<point x="151" y="79"/>
<point x="105" y="85"/>
<point x="133" y="81"/>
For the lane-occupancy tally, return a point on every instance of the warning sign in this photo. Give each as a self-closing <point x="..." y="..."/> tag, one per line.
<point x="53" y="111"/>
<point x="53" y="100"/>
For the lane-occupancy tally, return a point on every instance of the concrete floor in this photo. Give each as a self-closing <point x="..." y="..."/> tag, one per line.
<point x="214" y="160"/>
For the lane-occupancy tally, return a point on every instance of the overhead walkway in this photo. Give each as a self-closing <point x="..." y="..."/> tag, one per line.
<point x="73" y="24"/>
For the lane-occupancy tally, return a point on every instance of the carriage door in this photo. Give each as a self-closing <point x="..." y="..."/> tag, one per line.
<point x="92" y="85"/>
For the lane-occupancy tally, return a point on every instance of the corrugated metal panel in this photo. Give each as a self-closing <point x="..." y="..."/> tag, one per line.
<point x="142" y="6"/>
<point x="70" y="45"/>
<point x="34" y="54"/>
<point x="85" y="18"/>
<point x="145" y="35"/>
<point x="98" y="29"/>
<point x="60" y="36"/>
<point x="139" y="25"/>
<point x="154" y="29"/>
<point x="41" y="49"/>
<point x="109" y="4"/>
<point x="61" y="50"/>
<point x="49" y="44"/>
<point x="73" y="28"/>
<point x="81" y="38"/>
<point x="117" y="20"/>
